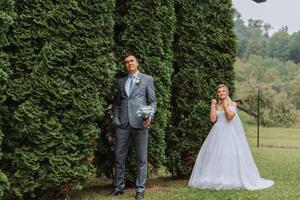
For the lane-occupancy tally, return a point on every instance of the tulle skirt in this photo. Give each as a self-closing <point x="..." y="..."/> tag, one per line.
<point x="225" y="160"/>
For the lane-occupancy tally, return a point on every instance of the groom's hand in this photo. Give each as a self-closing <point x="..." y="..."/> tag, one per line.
<point x="147" y="122"/>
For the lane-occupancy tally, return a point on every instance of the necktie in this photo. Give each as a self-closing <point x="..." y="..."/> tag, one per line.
<point x="130" y="85"/>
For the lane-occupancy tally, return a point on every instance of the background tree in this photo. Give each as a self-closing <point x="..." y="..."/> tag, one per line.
<point x="267" y="27"/>
<point x="242" y="33"/>
<point x="278" y="89"/>
<point x="204" y="49"/>
<point x="295" y="90"/>
<point x="278" y="45"/>
<point x="276" y="109"/>
<point x="257" y="43"/>
<point x="294" y="53"/>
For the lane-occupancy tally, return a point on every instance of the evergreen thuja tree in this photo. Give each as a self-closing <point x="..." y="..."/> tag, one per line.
<point x="6" y="20"/>
<point x="62" y="69"/>
<point x="204" y="51"/>
<point x="146" y="28"/>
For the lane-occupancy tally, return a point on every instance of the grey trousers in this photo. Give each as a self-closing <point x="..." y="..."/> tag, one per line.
<point x="140" y="139"/>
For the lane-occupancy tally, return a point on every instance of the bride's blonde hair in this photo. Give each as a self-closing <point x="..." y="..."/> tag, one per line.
<point x="222" y="86"/>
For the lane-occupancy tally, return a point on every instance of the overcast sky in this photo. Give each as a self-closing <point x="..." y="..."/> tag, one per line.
<point x="278" y="13"/>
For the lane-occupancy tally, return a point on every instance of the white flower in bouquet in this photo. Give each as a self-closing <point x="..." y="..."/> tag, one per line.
<point x="145" y="112"/>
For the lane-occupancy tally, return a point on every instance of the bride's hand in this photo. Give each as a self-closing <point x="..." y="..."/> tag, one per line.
<point x="225" y="102"/>
<point x="213" y="103"/>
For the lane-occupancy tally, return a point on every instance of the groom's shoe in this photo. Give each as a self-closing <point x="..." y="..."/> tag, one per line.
<point x="116" y="192"/>
<point x="139" y="196"/>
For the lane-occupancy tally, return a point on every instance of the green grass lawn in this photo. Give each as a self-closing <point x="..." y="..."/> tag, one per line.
<point x="270" y="137"/>
<point x="279" y="164"/>
<point x="274" y="137"/>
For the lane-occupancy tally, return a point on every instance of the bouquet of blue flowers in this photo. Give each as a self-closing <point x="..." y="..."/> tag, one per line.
<point x="145" y="112"/>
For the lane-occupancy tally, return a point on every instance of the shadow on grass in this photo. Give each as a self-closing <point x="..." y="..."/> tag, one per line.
<point x="99" y="188"/>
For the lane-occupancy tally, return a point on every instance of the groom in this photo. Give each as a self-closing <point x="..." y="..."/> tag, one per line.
<point x="134" y="90"/>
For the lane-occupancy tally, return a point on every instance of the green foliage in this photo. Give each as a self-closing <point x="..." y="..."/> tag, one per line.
<point x="279" y="89"/>
<point x="146" y="29"/>
<point x="6" y="21"/>
<point x="104" y="153"/>
<point x="252" y="38"/>
<point x="294" y="53"/>
<point x="243" y="34"/>
<point x="278" y="45"/>
<point x="275" y="109"/>
<point x="4" y="183"/>
<point x="204" y="54"/>
<point x="257" y="43"/>
<point x="295" y="90"/>
<point x="62" y="70"/>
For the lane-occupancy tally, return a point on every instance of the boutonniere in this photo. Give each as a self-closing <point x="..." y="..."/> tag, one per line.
<point x="137" y="81"/>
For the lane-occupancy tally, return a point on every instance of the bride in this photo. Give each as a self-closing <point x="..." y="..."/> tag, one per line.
<point x="225" y="160"/>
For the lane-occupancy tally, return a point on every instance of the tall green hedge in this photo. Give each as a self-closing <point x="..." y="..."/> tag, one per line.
<point x="204" y="50"/>
<point x="146" y="29"/>
<point x="62" y="67"/>
<point x="6" y="21"/>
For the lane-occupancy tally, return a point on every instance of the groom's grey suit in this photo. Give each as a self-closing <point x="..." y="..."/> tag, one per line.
<point x="128" y="124"/>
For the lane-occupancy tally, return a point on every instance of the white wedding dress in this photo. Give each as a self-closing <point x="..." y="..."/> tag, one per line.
<point x="225" y="160"/>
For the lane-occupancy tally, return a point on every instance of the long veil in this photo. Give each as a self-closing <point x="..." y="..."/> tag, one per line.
<point x="254" y="181"/>
<point x="237" y="124"/>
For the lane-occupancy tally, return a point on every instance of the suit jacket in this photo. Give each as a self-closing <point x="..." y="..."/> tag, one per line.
<point x="125" y="107"/>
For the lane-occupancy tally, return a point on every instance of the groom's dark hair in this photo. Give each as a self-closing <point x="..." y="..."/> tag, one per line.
<point x="130" y="54"/>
